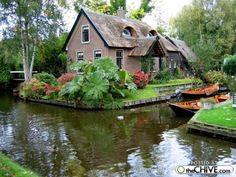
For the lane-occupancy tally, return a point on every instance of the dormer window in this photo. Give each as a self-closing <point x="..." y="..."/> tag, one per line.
<point x="152" y="33"/>
<point x="129" y="32"/>
<point x="85" y="34"/>
<point x="126" y="33"/>
<point x="149" y="34"/>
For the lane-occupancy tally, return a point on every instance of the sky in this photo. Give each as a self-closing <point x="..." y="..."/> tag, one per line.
<point x="170" y="8"/>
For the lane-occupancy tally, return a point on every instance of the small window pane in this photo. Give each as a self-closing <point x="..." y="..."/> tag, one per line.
<point x="85" y="34"/>
<point x="126" y="32"/>
<point x="97" y="54"/>
<point x="119" y="58"/>
<point x="80" y="56"/>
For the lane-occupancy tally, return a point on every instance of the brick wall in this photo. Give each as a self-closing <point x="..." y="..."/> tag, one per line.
<point x="130" y="64"/>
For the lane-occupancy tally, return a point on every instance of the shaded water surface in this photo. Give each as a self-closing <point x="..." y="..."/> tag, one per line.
<point x="149" y="141"/>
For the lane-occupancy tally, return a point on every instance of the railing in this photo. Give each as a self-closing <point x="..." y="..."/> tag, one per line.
<point x="18" y="76"/>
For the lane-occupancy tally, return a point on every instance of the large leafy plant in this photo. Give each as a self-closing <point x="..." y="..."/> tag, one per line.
<point x="99" y="84"/>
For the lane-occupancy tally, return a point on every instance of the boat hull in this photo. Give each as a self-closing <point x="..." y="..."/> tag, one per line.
<point x="201" y="92"/>
<point x="179" y="111"/>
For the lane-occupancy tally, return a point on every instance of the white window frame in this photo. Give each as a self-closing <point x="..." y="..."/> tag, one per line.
<point x="170" y="63"/>
<point x="175" y="64"/>
<point x="94" y="54"/>
<point x="122" y="61"/>
<point x="77" y="55"/>
<point x="85" y="42"/>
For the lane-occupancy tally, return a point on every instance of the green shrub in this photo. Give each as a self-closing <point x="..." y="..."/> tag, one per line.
<point x="46" y="78"/>
<point x="232" y="83"/>
<point x="229" y="65"/>
<point x="178" y="74"/>
<point x="163" y="75"/>
<point x="147" y="64"/>
<point x="216" y="76"/>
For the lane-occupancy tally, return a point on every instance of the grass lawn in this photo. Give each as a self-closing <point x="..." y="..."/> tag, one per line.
<point x="147" y="92"/>
<point x="9" y="168"/>
<point x="150" y="92"/>
<point x="174" y="82"/>
<point x="223" y="115"/>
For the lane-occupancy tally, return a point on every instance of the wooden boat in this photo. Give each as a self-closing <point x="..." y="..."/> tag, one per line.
<point x="201" y="92"/>
<point x="189" y="108"/>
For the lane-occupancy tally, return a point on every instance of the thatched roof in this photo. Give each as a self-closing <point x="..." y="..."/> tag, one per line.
<point x="167" y="45"/>
<point x="110" y="28"/>
<point x="183" y="48"/>
<point x="144" y="45"/>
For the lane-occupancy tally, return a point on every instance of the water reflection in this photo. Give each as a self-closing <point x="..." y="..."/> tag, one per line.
<point x="57" y="141"/>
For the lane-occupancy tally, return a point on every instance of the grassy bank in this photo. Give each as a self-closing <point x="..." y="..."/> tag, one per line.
<point x="145" y="93"/>
<point x="150" y="92"/>
<point x="223" y="115"/>
<point x="9" y="168"/>
<point x="173" y="82"/>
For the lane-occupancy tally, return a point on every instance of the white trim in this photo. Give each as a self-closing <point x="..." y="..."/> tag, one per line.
<point x="81" y="35"/>
<point x="77" y="55"/>
<point x="94" y="55"/>
<point x="122" y="61"/>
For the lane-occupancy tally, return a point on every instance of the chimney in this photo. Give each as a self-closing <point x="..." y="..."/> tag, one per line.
<point x="120" y="12"/>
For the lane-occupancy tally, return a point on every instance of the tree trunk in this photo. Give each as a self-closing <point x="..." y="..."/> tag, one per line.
<point x="24" y="57"/>
<point x="28" y="62"/>
<point x="32" y="60"/>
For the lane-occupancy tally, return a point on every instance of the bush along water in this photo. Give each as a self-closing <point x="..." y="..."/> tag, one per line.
<point x="229" y="65"/>
<point x="99" y="85"/>
<point x="216" y="76"/>
<point x="4" y="74"/>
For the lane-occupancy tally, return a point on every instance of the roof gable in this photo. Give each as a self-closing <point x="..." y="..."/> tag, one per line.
<point x="73" y="29"/>
<point x="183" y="48"/>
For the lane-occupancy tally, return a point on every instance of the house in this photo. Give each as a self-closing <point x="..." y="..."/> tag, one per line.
<point x="126" y="41"/>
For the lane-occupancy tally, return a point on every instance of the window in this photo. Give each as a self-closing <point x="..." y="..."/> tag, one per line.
<point x="170" y="63"/>
<point x="152" y="33"/>
<point x="126" y="32"/>
<point x="149" y="34"/>
<point x="119" y="58"/>
<point x="80" y="56"/>
<point x="85" y="34"/>
<point x="97" y="54"/>
<point x="175" y="64"/>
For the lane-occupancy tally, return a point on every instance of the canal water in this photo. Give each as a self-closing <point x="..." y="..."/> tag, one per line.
<point x="148" y="141"/>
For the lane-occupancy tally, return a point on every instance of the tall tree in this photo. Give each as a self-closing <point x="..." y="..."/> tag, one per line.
<point x="144" y="8"/>
<point x="101" y="5"/>
<point x="116" y="4"/>
<point x="31" y="20"/>
<point x="208" y="26"/>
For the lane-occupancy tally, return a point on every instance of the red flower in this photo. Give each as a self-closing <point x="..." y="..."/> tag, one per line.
<point x="140" y="79"/>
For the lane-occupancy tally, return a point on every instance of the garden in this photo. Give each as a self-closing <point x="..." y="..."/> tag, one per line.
<point x="96" y="85"/>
